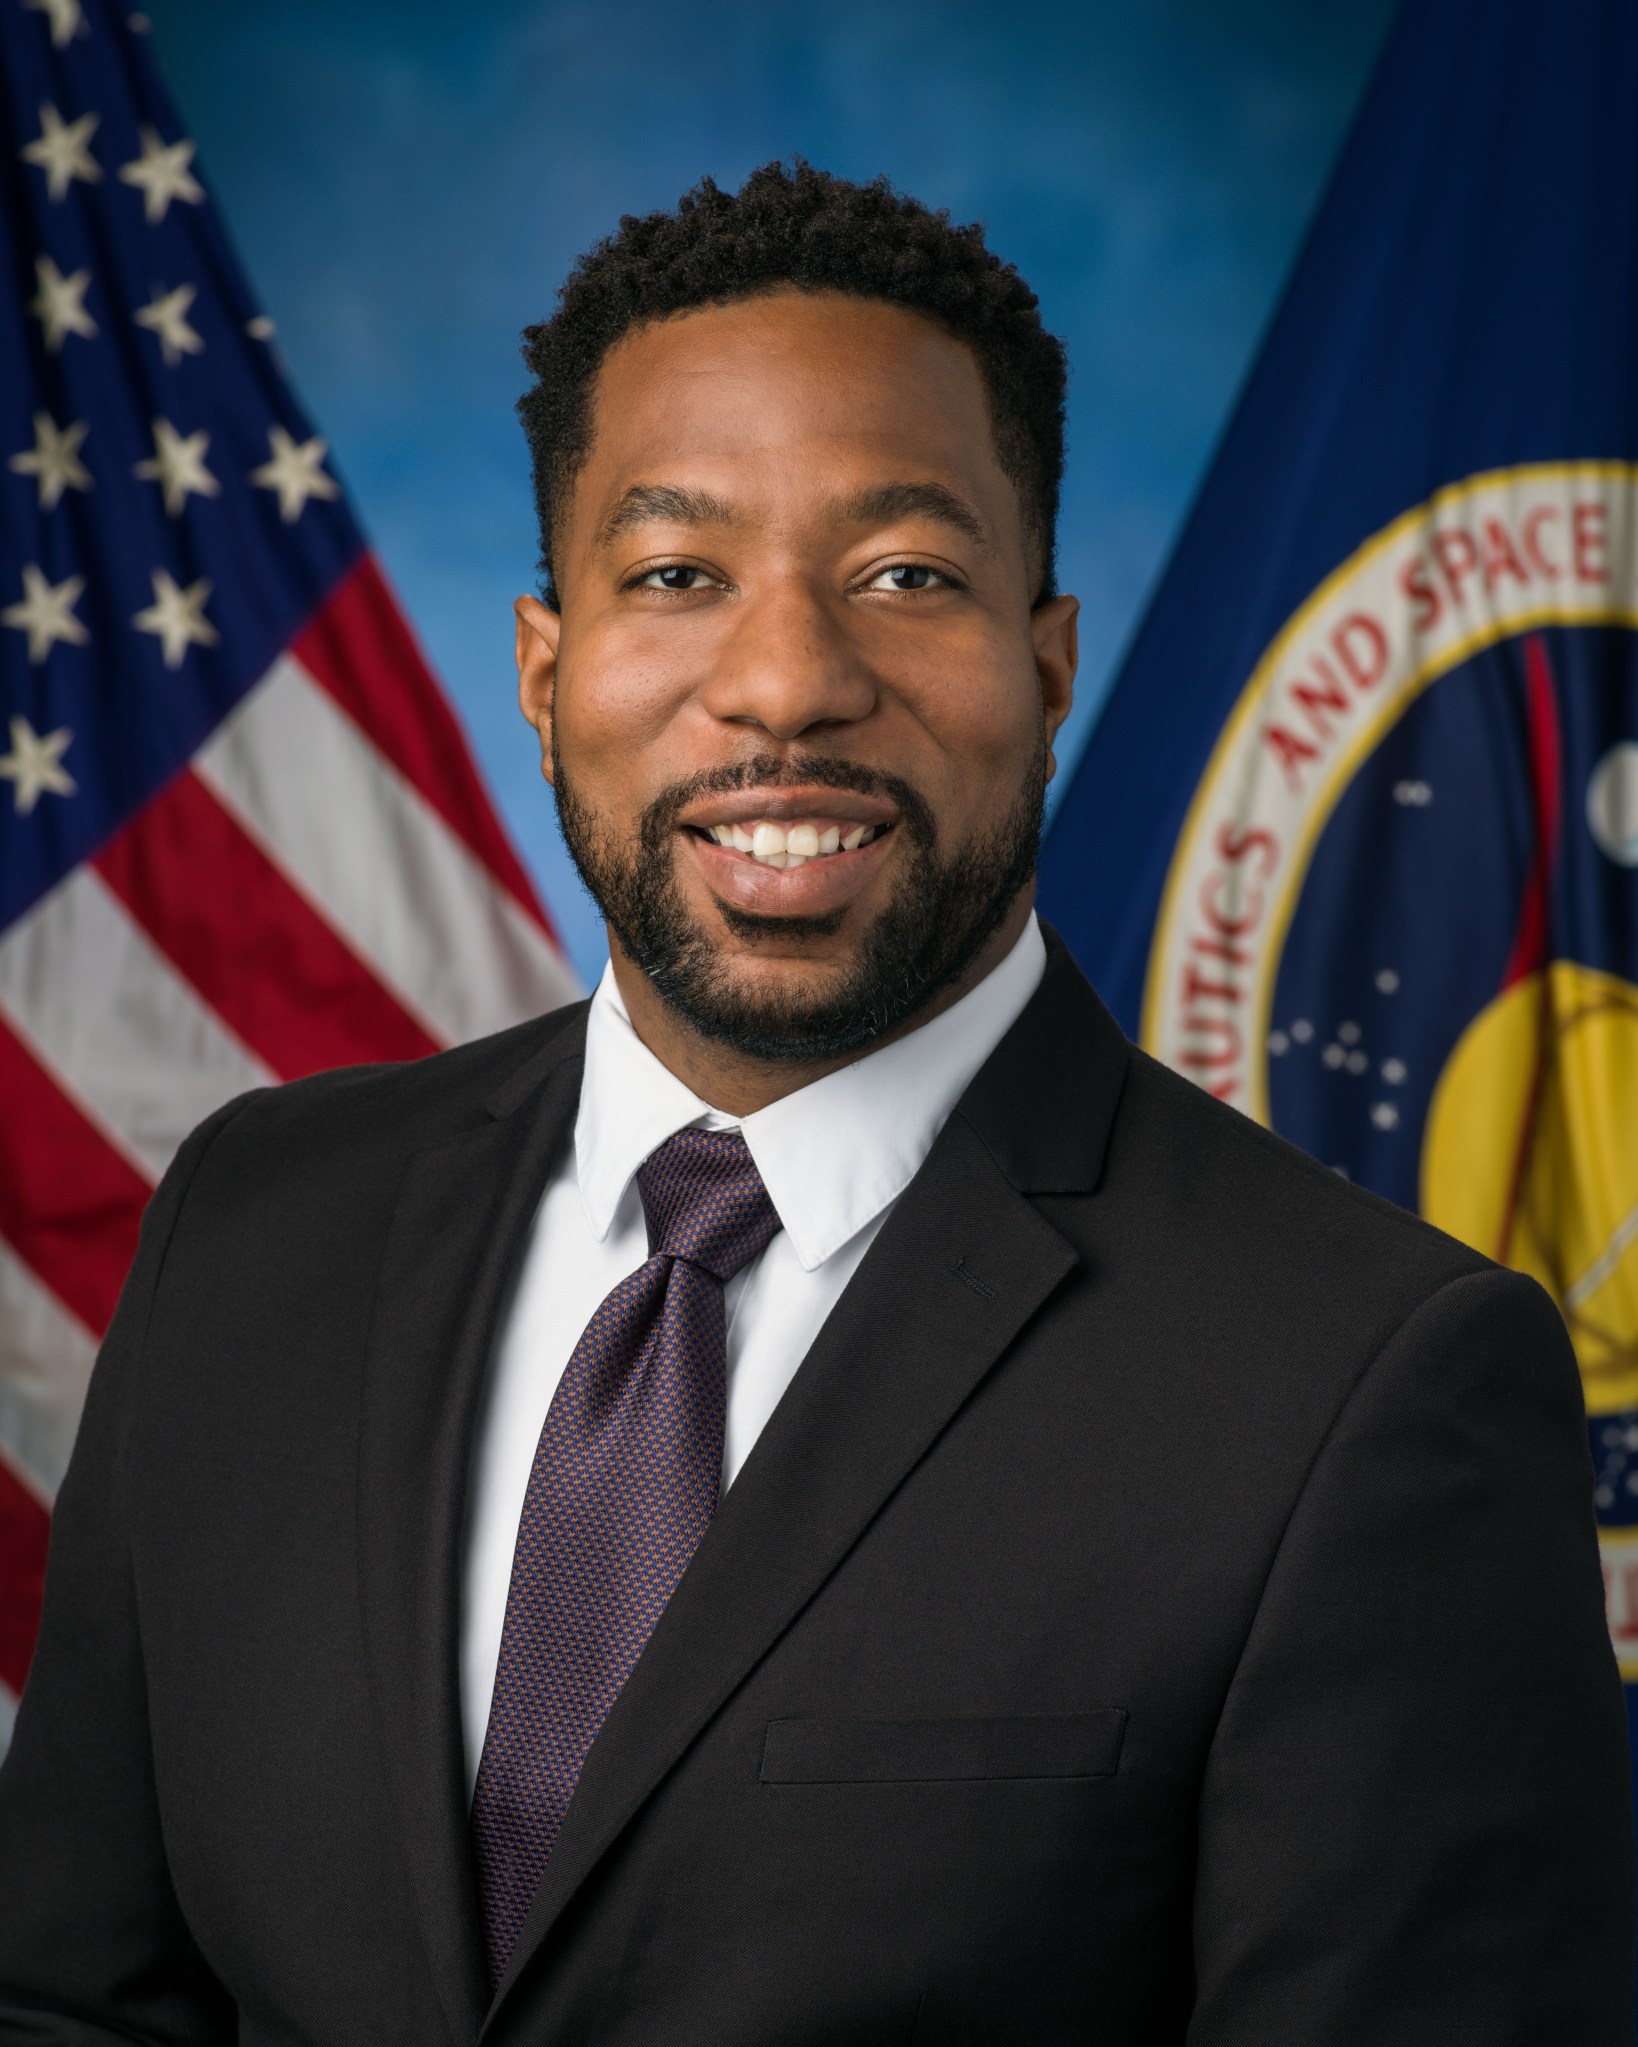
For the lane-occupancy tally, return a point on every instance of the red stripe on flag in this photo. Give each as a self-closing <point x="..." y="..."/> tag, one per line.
<point x="25" y="1532"/>
<point x="70" y="1204"/>
<point x="359" y="647"/>
<point x="256" y="949"/>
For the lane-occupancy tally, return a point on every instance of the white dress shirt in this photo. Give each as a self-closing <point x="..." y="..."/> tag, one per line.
<point x="834" y="1157"/>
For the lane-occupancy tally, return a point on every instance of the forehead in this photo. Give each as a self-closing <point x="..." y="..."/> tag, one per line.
<point x="791" y="391"/>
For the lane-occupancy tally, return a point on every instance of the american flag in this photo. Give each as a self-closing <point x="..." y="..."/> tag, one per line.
<point x="241" y="836"/>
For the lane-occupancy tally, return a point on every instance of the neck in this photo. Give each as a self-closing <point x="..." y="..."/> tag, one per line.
<point x="739" y="1085"/>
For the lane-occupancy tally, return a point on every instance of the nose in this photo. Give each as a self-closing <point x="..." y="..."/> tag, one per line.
<point x="789" y="664"/>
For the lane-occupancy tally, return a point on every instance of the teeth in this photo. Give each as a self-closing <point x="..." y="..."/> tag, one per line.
<point x="780" y="846"/>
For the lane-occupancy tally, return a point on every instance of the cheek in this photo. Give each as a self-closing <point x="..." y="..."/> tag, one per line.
<point x="984" y="718"/>
<point x="618" y="701"/>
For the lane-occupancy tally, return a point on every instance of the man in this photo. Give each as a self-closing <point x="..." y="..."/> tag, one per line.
<point x="1152" y="1593"/>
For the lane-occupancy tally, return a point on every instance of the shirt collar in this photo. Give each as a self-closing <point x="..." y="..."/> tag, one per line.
<point x="832" y="1155"/>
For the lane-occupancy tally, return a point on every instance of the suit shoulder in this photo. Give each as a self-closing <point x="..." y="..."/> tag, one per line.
<point x="1224" y="1179"/>
<point x="396" y="1108"/>
<point x="1254" y="1287"/>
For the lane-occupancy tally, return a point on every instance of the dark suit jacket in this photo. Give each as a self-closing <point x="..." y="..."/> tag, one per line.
<point x="1164" y="1606"/>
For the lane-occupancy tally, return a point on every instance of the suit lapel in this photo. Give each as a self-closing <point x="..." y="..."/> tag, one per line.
<point x="960" y="1266"/>
<point x="463" y="1211"/>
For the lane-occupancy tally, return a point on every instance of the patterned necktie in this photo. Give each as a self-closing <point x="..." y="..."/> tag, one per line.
<point x="624" y="1480"/>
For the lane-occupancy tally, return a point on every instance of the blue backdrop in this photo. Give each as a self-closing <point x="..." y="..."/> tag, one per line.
<point x="407" y="184"/>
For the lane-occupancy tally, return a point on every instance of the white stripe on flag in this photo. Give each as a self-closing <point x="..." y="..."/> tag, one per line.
<point x="46" y="1356"/>
<point x="8" y="1718"/>
<point x="376" y="860"/>
<point x="105" y="1012"/>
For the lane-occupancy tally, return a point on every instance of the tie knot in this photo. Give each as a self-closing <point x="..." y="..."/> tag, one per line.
<point x="704" y="1200"/>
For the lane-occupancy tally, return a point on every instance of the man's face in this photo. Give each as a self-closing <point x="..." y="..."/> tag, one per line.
<point x="796" y="706"/>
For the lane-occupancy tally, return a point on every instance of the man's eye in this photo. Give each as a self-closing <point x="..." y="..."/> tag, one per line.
<point x="674" y="576"/>
<point x="907" y="576"/>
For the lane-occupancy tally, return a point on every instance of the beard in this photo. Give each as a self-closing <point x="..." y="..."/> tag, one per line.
<point x="943" y="910"/>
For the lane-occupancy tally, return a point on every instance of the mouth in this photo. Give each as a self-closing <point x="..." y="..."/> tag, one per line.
<point x="790" y="852"/>
<point x="773" y="842"/>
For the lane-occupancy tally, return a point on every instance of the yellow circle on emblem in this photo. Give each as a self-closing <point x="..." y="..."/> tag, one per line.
<point x="1530" y="1154"/>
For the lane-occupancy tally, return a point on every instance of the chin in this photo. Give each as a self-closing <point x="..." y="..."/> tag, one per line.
<point x="752" y="972"/>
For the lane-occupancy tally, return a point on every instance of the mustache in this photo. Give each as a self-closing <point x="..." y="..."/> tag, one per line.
<point x="792" y="770"/>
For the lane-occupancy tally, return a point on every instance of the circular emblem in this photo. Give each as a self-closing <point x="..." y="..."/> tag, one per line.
<point x="1401" y="921"/>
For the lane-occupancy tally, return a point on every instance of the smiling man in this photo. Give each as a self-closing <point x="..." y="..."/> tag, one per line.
<point x="819" y="1497"/>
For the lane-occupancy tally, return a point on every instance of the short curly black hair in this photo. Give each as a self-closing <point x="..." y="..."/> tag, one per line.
<point x="803" y="228"/>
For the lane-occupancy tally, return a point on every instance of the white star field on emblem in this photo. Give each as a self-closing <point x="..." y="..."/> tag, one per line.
<point x="294" y="472"/>
<point x="177" y="617"/>
<point x="66" y="17"/>
<point x="59" y="304"/>
<point x="63" y="152"/>
<point x="46" y="613"/>
<point x="54" y="460"/>
<point x="34" y="766"/>
<point x="161" y="174"/>
<point x="177" y="465"/>
<point x="166" y="314"/>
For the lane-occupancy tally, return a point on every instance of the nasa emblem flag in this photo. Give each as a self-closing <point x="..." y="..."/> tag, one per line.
<point x="1355" y="843"/>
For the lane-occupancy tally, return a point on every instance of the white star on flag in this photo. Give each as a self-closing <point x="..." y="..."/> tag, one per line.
<point x="162" y="173"/>
<point x="54" y="460"/>
<point x="294" y="472"/>
<point x="66" y="18"/>
<point x="176" y="617"/>
<point x="177" y="465"/>
<point x="34" y="767"/>
<point x="46" y="613"/>
<point x="59" y="304"/>
<point x="62" y="151"/>
<point x="166" y="314"/>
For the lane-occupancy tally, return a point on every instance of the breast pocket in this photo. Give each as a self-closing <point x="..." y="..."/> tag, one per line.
<point x="943" y="1751"/>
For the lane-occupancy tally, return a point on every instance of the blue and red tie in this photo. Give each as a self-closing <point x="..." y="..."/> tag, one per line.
<point x="624" y="1481"/>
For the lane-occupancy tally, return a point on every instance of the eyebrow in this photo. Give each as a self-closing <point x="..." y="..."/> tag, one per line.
<point x="936" y="501"/>
<point x="877" y="506"/>
<point x="667" y="501"/>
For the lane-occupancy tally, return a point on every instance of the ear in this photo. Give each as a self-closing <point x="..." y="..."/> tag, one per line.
<point x="537" y="637"/>
<point x="1053" y="627"/>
